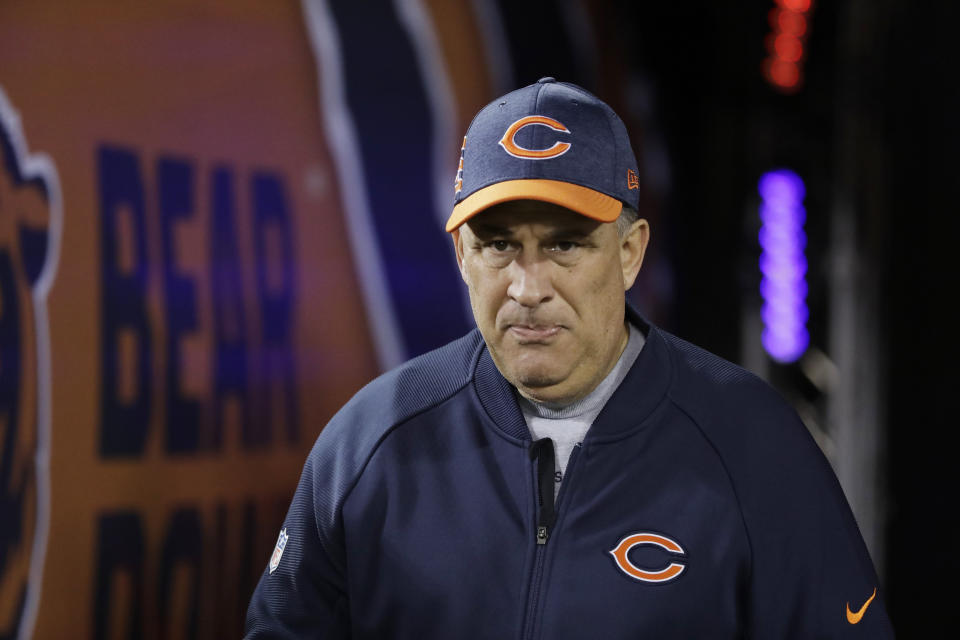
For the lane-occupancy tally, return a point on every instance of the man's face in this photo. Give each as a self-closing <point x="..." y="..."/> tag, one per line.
<point x="546" y="287"/>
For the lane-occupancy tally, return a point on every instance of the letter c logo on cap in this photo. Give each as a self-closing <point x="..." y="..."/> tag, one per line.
<point x="510" y="146"/>
<point x="660" y="575"/>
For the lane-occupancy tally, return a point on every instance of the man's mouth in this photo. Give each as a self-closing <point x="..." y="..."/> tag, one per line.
<point x="534" y="333"/>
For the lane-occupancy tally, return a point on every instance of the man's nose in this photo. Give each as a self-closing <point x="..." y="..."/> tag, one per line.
<point x="529" y="283"/>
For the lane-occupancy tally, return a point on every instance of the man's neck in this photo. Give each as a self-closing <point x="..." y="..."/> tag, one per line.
<point x="593" y="402"/>
<point x="586" y="390"/>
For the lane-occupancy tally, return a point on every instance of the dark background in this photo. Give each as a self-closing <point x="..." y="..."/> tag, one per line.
<point x="874" y="124"/>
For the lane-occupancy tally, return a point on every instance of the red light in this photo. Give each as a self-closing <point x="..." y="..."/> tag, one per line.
<point x="785" y="44"/>
<point x="774" y="18"/>
<point x="800" y="6"/>
<point x="791" y="22"/>
<point x="784" y="74"/>
<point x="771" y="42"/>
<point x="788" y="47"/>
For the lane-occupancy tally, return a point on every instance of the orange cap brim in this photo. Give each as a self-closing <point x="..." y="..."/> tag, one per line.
<point x="583" y="200"/>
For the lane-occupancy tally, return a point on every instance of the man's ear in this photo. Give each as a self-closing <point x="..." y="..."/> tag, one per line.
<point x="458" y="249"/>
<point x="633" y="246"/>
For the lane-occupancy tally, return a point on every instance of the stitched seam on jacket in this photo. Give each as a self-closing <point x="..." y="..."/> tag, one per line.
<point x="726" y="471"/>
<point x="376" y="447"/>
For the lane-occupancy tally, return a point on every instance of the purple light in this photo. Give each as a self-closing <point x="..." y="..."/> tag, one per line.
<point x="779" y="270"/>
<point x="781" y="186"/>
<point x="784" y="265"/>
<point x="779" y="238"/>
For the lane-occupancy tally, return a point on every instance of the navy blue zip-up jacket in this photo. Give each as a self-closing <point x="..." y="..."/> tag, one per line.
<point x="698" y="506"/>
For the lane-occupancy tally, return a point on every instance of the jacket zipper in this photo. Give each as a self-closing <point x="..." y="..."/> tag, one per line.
<point x="541" y="452"/>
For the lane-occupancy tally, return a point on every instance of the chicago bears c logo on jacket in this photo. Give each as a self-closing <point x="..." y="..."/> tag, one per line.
<point x="510" y="145"/>
<point x="29" y="239"/>
<point x="673" y="562"/>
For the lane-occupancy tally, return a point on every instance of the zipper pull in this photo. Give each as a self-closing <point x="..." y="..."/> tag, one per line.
<point x="542" y="452"/>
<point x="542" y="535"/>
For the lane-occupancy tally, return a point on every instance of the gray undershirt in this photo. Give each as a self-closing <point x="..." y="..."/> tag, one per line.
<point x="568" y="425"/>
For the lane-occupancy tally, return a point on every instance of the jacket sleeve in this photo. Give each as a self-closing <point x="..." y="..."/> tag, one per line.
<point x="303" y="593"/>
<point x="811" y="575"/>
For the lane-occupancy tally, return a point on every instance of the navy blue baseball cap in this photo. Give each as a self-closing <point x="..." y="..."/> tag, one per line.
<point x="551" y="141"/>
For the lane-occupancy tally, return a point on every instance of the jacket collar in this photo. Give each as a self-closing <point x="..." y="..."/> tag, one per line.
<point x="638" y="395"/>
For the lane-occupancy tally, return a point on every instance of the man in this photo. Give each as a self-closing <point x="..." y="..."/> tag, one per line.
<point x="568" y="470"/>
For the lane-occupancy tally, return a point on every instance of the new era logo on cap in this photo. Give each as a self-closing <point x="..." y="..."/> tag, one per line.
<point x="550" y="141"/>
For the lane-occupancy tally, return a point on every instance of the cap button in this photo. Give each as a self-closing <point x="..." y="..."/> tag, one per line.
<point x="546" y="80"/>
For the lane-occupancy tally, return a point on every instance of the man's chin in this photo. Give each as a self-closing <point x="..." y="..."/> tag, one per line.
<point x="538" y="382"/>
<point x="533" y="369"/>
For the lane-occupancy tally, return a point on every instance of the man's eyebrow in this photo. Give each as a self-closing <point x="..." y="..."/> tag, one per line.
<point x="487" y="230"/>
<point x="572" y="231"/>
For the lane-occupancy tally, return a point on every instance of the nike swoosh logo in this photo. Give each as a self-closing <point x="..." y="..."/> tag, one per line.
<point x="854" y="618"/>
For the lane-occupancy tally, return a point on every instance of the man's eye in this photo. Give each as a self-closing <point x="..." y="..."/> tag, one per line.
<point x="499" y="245"/>
<point x="563" y="246"/>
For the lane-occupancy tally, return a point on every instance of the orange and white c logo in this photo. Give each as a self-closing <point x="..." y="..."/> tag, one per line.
<point x="510" y="146"/>
<point x="665" y="574"/>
